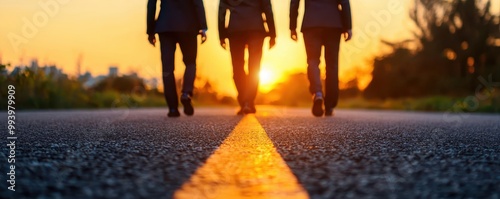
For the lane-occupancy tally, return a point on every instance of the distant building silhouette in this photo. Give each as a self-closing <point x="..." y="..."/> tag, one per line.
<point x="113" y="71"/>
<point x="89" y="81"/>
<point x="48" y="70"/>
<point x="34" y="64"/>
<point x="85" y="77"/>
<point x="52" y="71"/>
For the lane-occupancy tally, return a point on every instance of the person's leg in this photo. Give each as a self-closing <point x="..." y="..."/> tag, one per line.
<point x="255" y="44"/>
<point x="189" y="48"/>
<point x="168" y="44"/>
<point x="237" y="44"/>
<point x="332" y="43"/>
<point x="313" y="42"/>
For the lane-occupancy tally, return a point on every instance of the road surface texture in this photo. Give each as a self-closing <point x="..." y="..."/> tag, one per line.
<point x="277" y="153"/>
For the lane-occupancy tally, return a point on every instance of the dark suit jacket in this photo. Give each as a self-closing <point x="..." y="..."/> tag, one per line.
<point x="322" y="14"/>
<point x="246" y="15"/>
<point x="176" y="16"/>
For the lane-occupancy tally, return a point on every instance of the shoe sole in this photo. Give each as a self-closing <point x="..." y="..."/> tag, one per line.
<point x="329" y="112"/>
<point x="247" y="110"/>
<point x="317" y="109"/>
<point x="188" y="107"/>
<point x="174" y="115"/>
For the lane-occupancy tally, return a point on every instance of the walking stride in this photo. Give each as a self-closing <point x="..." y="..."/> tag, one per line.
<point x="246" y="30"/>
<point x="179" y="22"/>
<point x="323" y="24"/>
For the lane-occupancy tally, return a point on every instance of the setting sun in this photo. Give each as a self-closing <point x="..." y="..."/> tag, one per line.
<point x="268" y="79"/>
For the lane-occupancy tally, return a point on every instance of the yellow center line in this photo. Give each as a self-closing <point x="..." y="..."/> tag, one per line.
<point x="246" y="165"/>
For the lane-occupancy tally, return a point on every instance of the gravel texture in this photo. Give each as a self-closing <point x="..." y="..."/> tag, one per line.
<point x="140" y="153"/>
<point x="110" y="154"/>
<point x="375" y="154"/>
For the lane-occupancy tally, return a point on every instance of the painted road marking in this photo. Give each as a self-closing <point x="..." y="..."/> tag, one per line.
<point x="246" y="165"/>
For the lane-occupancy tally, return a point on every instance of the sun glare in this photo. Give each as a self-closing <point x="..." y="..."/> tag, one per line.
<point x="268" y="79"/>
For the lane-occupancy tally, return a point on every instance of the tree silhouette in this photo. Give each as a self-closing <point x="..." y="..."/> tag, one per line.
<point x="121" y="84"/>
<point x="456" y="42"/>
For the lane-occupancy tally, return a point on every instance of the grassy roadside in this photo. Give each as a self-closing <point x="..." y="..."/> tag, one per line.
<point x="110" y="99"/>
<point x="429" y="104"/>
<point x="433" y="104"/>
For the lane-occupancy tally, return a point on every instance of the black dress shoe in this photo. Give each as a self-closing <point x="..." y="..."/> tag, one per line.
<point x="186" y="103"/>
<point x="240" y="112"/>
<point x="250" y="109"/>
<point x="247" y="109"/>
<point x="253" y="110"/>
<point x="329" y="112"/>
<point x="317" y="109"/>
<point x="174" y="113"/>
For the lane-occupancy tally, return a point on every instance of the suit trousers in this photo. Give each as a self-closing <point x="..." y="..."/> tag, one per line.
<point x="315" y="39"/>
<point x="246" y="84"/>
<point x="189" y="47"/>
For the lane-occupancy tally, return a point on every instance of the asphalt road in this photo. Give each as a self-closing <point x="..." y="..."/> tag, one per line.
<point x="141" y="153"/>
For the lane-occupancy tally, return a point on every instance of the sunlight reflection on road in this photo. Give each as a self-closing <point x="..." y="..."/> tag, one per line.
<point x="246" y="165"/>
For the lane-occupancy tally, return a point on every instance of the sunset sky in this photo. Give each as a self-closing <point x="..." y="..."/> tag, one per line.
<point x="112" y="32"/>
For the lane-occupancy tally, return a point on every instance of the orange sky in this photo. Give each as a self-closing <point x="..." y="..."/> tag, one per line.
<point x="112" y="32"/>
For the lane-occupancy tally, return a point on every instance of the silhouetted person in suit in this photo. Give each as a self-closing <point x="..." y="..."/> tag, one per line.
<point x="323" y="24"/>
<point x="246" y="29"/>
<point x="179" y="22"/>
